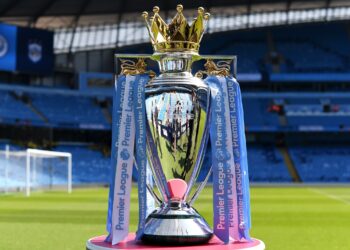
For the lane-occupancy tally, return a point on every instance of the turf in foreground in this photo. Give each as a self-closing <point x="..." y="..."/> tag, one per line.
<point x="284" y="218"/>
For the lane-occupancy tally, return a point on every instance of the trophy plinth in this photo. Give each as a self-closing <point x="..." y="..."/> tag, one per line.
<point x="99" y="243"/>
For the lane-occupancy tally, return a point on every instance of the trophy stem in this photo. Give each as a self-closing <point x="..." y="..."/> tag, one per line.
<point x="175" y="63"/>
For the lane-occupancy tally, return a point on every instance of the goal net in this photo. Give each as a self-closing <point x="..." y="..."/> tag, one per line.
<point x="33" y="169"/>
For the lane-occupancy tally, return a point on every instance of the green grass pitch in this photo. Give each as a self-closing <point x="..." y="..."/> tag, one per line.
<point x="284" y="218"/>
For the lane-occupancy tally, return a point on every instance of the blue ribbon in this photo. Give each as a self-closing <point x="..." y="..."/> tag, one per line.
<point x="219" y="159"/>
<point x="116" y="115"/>
<point x="240" y="157"/>
<point x="233" y="128"/>
<point x="128" y="129"/>
<point x="140" y="149"/>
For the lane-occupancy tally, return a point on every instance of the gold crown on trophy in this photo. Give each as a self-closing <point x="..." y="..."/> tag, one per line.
<point x="178" y="35"/>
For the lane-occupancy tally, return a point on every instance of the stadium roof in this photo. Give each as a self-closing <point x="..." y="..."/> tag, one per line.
<point x="31" y="11"/>
<point x="35" y="8"/>
<point x="97" y="24"/>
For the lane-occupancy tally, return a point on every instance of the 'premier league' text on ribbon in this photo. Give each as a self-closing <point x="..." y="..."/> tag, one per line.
<point x="125" y="146"/>
<point x="140" y="149"/>
<point x="124" y="165"/>
<point x="219" y="143"/>
<point x="233" y="102"/>
<point x="232" y="213"/>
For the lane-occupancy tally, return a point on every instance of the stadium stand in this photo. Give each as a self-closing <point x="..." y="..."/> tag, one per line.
<point x="262" y="118"/>
<point x="63" y="110"/>
<point x="319" y="53"/>
<point x="13" y="109"/>
<point x="90" y="165"/>
<point x="272" y="111"/>
<point x="317" y="163"/>
<point x="296" y="54"/>
<point x="51" y="109"/>
<point x="250" y="55"/>
<point x="313" y="58"/>
<point x="266" y="164"/>
<point x="313" y="163"/>
<point x="255" y="49"/>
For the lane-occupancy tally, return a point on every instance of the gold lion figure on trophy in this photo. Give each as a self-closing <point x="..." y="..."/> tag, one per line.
<point x="221" y="68"/>
<point x="130" y="67"/>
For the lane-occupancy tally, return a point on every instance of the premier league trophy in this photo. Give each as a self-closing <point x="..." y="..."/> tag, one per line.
<point x="177" y="106"/>
<point x="161" y="126"/>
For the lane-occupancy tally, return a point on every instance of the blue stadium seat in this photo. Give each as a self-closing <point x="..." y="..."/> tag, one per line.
<point x="257" y="113"/>
<point x="329" y="163"/>
<point x="11" y="108"/>
<point x="266" y="164"/>
<point x="69" y="109"/>
<point x="89" y="165"/>
<point x="250" y="55"/>
<point x="310" y="49"/>
<point x="306" y="57"/>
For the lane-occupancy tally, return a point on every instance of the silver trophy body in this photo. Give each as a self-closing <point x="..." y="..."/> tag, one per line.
<point x="177" y="105"/>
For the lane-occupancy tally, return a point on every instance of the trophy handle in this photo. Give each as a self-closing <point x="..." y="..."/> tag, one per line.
<point x="149" y="188"/>
<point x="200" y="187"/>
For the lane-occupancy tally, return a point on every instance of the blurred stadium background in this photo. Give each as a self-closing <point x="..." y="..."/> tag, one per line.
<point x="56" y="85"/>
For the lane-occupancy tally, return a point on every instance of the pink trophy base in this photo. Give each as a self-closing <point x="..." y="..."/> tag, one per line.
<point x="98" y="243"/>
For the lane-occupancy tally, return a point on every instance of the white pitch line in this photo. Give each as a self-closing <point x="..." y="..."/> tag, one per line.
<point x="331" y="196"/>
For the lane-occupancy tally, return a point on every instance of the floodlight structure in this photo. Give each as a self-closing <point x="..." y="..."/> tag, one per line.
<point x="33" y="154"/>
